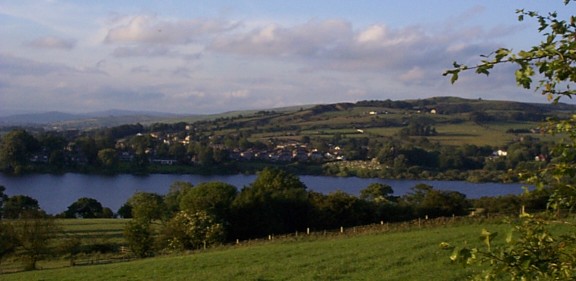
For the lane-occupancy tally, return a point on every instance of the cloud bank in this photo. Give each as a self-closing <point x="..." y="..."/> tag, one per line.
<point x="100" y="59"/>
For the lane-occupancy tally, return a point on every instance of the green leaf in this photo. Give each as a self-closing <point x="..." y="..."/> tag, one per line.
<point x="487" y="237"/>
<point x="509" y="236"/>
<point x="454" y="77"/>
<point x="501" y="53"/>
<point x="482" y="70"/>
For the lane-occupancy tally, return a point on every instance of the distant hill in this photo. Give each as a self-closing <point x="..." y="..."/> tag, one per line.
<point x="84" y="120"/>
<point x="504" y="110"/>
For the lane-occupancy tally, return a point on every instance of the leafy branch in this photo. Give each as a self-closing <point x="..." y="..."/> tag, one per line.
<point x="553" y="60"/>
<point x="536" y="253"/>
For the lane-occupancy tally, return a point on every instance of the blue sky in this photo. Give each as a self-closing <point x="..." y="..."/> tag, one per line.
<point x="201" y="57"/>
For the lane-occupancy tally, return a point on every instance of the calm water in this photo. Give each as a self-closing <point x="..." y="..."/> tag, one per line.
<point x="56" y="192"/>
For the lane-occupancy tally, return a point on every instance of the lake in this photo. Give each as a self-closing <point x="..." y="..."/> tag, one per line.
<point x="56" y="192"/>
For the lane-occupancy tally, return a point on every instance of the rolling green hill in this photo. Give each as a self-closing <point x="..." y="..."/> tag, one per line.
<point x="457" y="121"/>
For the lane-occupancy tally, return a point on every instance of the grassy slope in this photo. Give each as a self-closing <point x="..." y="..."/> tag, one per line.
<point x="412" y="255"/>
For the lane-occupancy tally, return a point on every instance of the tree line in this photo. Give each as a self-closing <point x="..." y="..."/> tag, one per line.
<point x="134" y="148"/>
<point x="192" y="217"/>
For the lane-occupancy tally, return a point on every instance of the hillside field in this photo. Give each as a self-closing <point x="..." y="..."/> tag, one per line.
<point x="397" y="255"/>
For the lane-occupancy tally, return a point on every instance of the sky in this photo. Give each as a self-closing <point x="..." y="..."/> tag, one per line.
<point x="203" y="57"/>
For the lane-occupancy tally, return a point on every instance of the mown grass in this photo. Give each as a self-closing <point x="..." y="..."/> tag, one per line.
<point x="105" y="229"/>
<point x="399" y="255"/>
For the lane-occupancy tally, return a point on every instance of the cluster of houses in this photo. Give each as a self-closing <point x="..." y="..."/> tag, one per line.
<point x="289" y="151"/>
<point x="284" y="153"/>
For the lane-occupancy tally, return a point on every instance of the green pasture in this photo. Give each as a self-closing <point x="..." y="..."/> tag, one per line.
<point x="93" y="229"/>
<point x="473" y="133"/>
<point x="396" y="255"/>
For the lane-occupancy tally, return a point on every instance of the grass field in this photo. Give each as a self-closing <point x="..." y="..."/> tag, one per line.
<point x="94" y="228"/>
<point x="398" y="255"/>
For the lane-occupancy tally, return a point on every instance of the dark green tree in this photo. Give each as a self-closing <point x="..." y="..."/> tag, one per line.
<point x="88" y="148"/>
<point x="178" y="152"/>
<point x="86" y="208"/>
<point x="214" y="198"/>
<point x="147" y="206"/>
<point x="125" y="211"/>
<point x="275" y="203"/>
<point x="177" y="191"/>
<point x="33" y="234"/>
<point x="8" y="242"/>
<point x="377" y="192"/>
<point x="429" y="202"/>
<point x="140" y="237"/>
<point x="19" y="206"/>
<point x="338" y="209"/>
<point x="54" y="145"/>
<point x="16" y="148"/>
<point x="108" y="158"/>
<point x="3" y="198"/>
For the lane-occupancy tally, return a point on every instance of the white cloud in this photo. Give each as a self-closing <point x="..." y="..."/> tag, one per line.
<point x="374" y="33"/>
<point x="50" y="42"/>
<point x="238" y="94"/>
<point x="335" y="45"/>
<point x="413" y="74"/>
<point x="150" y="29"/>
<point x="142" y="51"/>
<point x="311" y="39"/>
<point x="173" y="63"/>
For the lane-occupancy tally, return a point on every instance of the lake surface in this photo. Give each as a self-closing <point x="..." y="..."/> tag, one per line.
<point x="56" y="192"/>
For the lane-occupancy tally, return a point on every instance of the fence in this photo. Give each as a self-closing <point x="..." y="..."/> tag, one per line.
<point x="125" y="254"/>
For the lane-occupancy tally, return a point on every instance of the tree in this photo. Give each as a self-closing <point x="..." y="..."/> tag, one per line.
<point x="125" y="211"/>
<point x="189" y="231"/>
<point x="339" y="209"/>
<point x="3" y="198"/>
<point x="377" y="192"/>
<point x="177" y="191"/>
<point x="89" y="149"/>
<point x="178" y="151"/>
<point x="108" y="158"/>
<point x="19" y="206"/>
<point x="429" y="202"/>
<point x="7" y="240"/>
<point x="552" y="61"/>
<point x="33" y="234"/>
<point x="15" y="150"/>
<point x="140" y="237"/>
<point x="54" y="144"/>
<point x="87" y="208"/>
<point x="147" y="206"/>
<point x="214" y="198"/>
<point x="275" y="203"/>
<point x="535" y="253"/>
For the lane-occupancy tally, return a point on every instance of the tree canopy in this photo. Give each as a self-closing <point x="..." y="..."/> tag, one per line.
<point x="86" y="208"/>
<point x="214" y="198"/>
<point x="534" y="253"/>
<point x="147" y="206"/>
